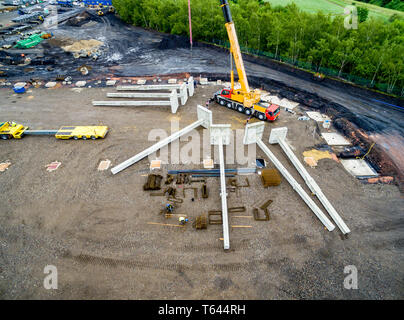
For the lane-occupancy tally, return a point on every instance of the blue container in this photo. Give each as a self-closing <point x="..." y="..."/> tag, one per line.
<point x="19" y="89"/>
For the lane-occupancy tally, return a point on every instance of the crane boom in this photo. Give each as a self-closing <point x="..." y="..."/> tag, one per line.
<point x="242" y="99"/>
<point x="235" y="47"/>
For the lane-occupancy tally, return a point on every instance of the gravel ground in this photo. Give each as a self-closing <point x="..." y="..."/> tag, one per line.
<point x="93" y="225"/>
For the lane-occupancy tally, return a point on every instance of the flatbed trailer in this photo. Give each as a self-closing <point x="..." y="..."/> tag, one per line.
<point x="12" y="130"/>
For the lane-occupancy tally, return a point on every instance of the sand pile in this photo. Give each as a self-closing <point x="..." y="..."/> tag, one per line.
<point x="86" y="45"/>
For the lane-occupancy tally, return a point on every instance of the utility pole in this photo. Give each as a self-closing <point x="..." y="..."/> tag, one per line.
<point x="190" y="23"/>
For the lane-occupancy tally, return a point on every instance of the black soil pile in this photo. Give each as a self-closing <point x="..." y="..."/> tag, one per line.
<point x="81" y="19"/>
<point x="173" y="41"/>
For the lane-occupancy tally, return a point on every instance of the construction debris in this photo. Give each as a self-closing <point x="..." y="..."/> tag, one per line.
<point x="208" y="163"/>
<point x="204" y="191"/>
<point x="201" y="222"/>
<point x="195" y="191"/>
<point x="266" y="211"/>
<point x="155" y="164"/>
<point x="104" y="165"/>
<point x="215" y="213"/>
<point x="236" y="209"/>
<point x="53" y="166"/>
<point x="169" y="179"/>
<point x="241" y="226"/>
<point x="166" y="224"/>
<point x="4" y="166"/>
<point x="270" y="177"/>
<point x="153" y="182"/>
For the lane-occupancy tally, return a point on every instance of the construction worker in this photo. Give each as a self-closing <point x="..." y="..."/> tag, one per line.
<point x="248" y="119"/>
<point x="182" y="220"/>
<point x="169" y="208"/>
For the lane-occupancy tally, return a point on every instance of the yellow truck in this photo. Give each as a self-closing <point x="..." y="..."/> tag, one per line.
<point x="12" y="130"/>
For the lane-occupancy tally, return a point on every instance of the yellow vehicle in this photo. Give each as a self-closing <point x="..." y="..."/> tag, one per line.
<point x="12" y="130"/>
<point x="100" y="13"/>
<point x="243" y="100"/>
<point x="82" y="132"/>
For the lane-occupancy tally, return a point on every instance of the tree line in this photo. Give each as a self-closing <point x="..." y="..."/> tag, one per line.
<point x="375" y="50"/>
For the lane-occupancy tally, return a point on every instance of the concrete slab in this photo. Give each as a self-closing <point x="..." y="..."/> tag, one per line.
<point x="80" y="83"/>
<point x="155" y="165"/>
<point x="4" y="166"/>
<point x="172" y="81"/>
<point x="358" y="168"/>
<point x="274" y="100"/>
<point x="335" y="139"/>
<point x="104" y="165"/>
<point x="288" y="104"/>
<point x="110" y="82"/>
<point x="317" y="116"/>
<point x="208" y="163"/>
<point x="50" y="84"/>
<point x="203" y="80"/>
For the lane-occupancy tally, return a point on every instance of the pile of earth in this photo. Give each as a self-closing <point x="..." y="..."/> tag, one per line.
<point x="81" y="19"/>
<point x="84" y="48"/>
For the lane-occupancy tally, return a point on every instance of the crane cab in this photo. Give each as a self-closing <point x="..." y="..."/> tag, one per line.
<point x="272" y="111"/>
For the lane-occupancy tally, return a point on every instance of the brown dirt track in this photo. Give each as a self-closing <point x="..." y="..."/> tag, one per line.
<point x="93" y="225"/>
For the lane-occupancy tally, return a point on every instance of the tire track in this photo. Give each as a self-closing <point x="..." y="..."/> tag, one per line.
<point x="159" y="265"/>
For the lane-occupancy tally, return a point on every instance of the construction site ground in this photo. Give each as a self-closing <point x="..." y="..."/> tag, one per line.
<point x="93" y="226"/>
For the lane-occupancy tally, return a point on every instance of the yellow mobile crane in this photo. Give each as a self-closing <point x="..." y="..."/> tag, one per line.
<point x="243" y="100"/>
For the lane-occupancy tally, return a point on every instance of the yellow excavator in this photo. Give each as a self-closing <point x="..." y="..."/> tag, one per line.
<point x="244" y="99"/>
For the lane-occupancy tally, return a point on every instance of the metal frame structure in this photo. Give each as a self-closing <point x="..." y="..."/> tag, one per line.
<point x="253" y="134"/>
<point x="278" y="135"/>
<point x="204" y="119"/>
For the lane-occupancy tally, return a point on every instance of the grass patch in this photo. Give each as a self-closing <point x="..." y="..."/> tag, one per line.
<point x="336" y="7"/>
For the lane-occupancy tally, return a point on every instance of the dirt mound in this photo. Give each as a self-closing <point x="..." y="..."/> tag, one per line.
<point x="78" y="20"/>
<point x="86" y="45"/>
<point x="58" y="42"/>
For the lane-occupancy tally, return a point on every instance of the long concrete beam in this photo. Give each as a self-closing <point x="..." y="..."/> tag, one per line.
<point x="278" y="135"/>
<point x="253" y="134"/>
<point x="204" y="119"/>
<point x="183" y="95"/>
<point x="220" y="135"/>
<point x="189" y="85"/>
<point x="296" y="186"/>
<point x="173" y="102"/>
